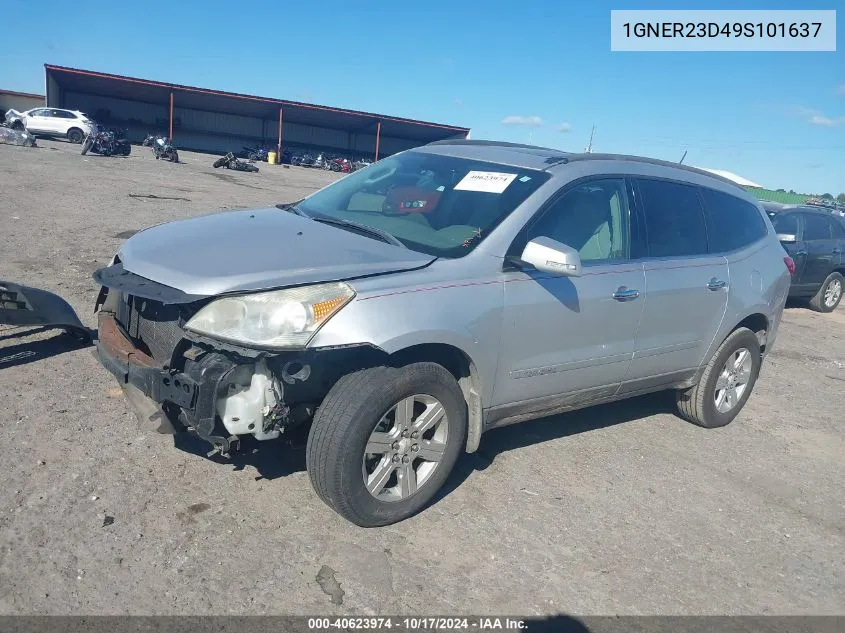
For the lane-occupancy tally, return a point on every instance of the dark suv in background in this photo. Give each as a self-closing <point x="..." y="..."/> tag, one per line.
<point x="815" y="239"/>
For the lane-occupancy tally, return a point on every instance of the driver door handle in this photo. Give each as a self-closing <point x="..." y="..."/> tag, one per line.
<point x="626" y="294"/>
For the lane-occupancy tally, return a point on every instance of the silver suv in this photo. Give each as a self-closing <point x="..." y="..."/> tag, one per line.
<point x="411" y="306"/>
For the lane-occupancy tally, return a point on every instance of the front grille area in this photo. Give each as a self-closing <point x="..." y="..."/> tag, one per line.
<point x="154" y="327"/>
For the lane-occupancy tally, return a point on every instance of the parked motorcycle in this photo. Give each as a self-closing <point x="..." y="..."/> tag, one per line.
<point x="256" y="153"/>
<point x="162" y="147"/>
<point x="303" y="160"/>
<point x="360" y="164"/>
<point x="320" y="162"/>
<point x="105" y="143"/>
<point x="230" y="161"/>
<point x="340" y="164"/>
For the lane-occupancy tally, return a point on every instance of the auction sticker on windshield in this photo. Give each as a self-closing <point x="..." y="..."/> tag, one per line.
<point x="486" y="181"/>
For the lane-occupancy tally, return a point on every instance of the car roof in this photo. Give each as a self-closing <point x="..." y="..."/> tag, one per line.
<point x="545" y="158"/>
<point x="783" y="208"/>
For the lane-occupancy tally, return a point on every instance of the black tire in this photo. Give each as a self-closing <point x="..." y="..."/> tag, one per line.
<point x="697" y="404"/>
<point x="18" y="125"/>
<point x="75" y="135"/>
<point x="220" y="162"/>
<point x="174" y="156"/>
<point x="818" y="302"/>
<point x="342" y="427"/>
<point x="86" y="145"/>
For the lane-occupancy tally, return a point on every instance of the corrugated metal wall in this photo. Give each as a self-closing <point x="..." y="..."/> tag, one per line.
<point x="137" y="117"/>
<point x="219" y="132"/>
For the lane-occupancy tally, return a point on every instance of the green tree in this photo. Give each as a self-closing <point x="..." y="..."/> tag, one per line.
<point x="841" y="198"/>
<point x="782" y="190"/>
<point x="827" y="196"/>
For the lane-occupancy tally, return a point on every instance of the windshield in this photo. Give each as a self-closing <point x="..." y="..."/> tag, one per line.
<point x="439" y="205"/>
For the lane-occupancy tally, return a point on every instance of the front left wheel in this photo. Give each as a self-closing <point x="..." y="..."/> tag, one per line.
<point x="384" y="441"/>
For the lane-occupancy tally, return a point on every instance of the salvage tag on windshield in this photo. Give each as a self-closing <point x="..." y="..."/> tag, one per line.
<point x="487" y="181"/>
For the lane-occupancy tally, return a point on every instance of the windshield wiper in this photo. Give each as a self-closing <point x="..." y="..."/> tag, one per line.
<point x="293" y="207"/>
<point x="384" y="236"/>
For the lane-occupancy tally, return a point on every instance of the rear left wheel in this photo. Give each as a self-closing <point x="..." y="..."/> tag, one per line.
<point x="75" y="135"/>
<point x="384" y="441"/>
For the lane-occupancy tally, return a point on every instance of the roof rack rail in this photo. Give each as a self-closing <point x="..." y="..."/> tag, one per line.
<point x="651" y="161"/>
<point x="482" y="143"/>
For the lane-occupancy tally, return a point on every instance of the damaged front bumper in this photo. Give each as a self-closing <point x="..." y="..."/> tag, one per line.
<point x="211" y="386"/>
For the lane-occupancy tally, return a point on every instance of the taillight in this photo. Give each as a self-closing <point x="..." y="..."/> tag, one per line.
<point x="790" y="264"/>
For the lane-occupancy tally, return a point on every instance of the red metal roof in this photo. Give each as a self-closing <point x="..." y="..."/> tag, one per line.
<point x="246" y="97"/>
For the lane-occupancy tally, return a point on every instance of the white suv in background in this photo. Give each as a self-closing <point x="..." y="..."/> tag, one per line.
<point x="70" y="124"/>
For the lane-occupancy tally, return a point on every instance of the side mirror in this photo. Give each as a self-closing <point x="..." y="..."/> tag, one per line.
<point x="787" y="238"/>
<point x="550" y="256"/>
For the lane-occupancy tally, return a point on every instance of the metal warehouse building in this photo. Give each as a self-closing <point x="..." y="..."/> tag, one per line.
<point x="12" y="100"/>
<point x="215" y="121"/>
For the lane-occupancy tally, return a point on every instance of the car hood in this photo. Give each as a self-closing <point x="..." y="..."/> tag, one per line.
<point x="257" y="249"/>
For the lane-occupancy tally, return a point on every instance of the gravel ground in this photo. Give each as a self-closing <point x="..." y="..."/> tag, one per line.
<point x="617" y="509"/>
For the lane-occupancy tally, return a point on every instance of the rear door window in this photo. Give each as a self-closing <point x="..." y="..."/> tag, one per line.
<point x="732" y="223"/>
<point x="816" y="227"/>
<point x="673" y="219"/>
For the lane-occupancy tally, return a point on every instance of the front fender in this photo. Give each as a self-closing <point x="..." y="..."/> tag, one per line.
<point x="467" y="317"/>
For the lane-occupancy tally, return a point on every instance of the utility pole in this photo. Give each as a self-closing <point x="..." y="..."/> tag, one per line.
<point x="683" y="157"/>
<point x="589" y="148"/>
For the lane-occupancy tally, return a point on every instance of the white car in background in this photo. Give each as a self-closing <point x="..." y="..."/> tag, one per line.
<point x="70" y="124"/>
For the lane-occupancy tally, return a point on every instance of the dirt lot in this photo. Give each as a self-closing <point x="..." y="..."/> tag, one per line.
<point x="619" y="509"/>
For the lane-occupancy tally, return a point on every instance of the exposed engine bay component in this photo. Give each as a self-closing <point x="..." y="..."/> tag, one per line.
<point x="252" y="403"/>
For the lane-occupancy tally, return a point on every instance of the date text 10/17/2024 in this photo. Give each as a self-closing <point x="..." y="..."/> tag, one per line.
<point x="417" y="624"/>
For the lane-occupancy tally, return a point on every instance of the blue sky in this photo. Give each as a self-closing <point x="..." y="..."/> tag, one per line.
<point x="776" y="118"/>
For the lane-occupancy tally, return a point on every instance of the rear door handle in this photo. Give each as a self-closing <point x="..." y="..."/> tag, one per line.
<point x="716" y="284"/>
<point x="626" y="294"/>
<point x="836" y="251"/>
<point x="800" y="252"/>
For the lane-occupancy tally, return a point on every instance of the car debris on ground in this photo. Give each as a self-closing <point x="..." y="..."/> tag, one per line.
<point x="11" y="136"/>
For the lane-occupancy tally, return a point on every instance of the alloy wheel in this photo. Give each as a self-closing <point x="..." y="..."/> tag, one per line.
<point x="733" y="380"/>
<point x="405" y="448"/>
<point x="832" y="293"/>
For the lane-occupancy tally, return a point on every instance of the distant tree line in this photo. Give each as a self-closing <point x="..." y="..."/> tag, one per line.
<point x="824" y="196"/>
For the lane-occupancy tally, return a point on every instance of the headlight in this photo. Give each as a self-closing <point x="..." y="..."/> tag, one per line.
<point x="278" y="319"/>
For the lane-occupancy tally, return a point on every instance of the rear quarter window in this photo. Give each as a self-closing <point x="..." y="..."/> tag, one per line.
<point x="785" y="223"/>
<point x="732" y="223"/>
